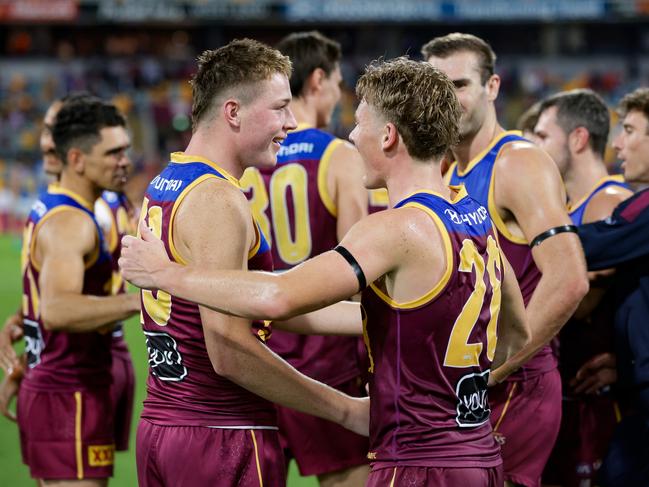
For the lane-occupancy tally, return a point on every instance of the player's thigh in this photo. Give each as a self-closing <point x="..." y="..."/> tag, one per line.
<point x="350" y="477"/>
<point x="75" y="483"/>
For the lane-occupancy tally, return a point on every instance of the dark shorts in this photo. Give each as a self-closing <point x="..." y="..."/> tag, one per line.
<point x="196" y="456"/>
<point x="66" y="435"/>
<point x="525" y="416"/>
<point x="587" y="426"/>
<point x="121" y="392"/>
<point x="435" y="477"/>
<point x="320" y="446"/>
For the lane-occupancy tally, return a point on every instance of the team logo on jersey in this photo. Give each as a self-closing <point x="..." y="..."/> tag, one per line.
<point x="34" y="343"/>
<point x="473" y="406"/>
<point x="165" y="361"/>
<point x="101" y="455"/>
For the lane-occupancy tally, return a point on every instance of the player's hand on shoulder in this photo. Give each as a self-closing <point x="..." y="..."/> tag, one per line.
<point x="143" y="259"/>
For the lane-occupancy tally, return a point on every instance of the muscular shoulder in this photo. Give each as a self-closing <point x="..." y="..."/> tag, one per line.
<point x="604" y="202"/>
<point x="69" y="230"/>
<point x="524" y="157"/>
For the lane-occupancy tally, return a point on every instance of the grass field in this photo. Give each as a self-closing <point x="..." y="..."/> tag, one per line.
<point x="12" y="471"/>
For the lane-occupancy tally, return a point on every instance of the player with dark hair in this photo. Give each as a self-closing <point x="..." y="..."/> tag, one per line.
<point x="437" y="287"/>
<point x="572" y="128"/>
<point x="305" y="205"/>
<point x="522" y="189"/>
<point x="64" y="408"/>
<point x="622" y="241"/>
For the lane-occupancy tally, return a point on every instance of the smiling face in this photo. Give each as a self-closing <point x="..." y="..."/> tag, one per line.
<point x="551" y="138"/>
<point x="632" y="146"/>
<point x="463" y="69"/>
<point x="265" y="122"/>
<point x="366" y="136"/>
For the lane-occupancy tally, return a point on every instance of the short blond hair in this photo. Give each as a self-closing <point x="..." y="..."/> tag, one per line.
<point x="238" y="65"/>
<point x="418" y="99"/>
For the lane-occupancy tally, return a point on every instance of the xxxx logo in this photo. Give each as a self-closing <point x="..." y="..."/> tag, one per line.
<point x="101" y="455"/>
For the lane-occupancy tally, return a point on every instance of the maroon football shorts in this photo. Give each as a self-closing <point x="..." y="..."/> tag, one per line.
<point x="587" y="427"/>
<point x="121" y="392"/>
<point x="435" y="477"/>
<point x="320" y="446"/>
<point x="196" y="455"/>
<point x="525" y="416"/>
<point x="66" y="435"/>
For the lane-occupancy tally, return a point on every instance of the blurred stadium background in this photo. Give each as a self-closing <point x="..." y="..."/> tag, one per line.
<point x="140" y="54"/>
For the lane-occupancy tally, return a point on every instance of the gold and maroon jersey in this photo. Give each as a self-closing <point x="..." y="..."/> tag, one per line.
<point x="115" y="217"/>
<point x="298" y="215"/>
<point x="478" y="178"/>
<point x="183" y="388"/>
<point x="430" y="357"/>
<point x="59" y="360"/>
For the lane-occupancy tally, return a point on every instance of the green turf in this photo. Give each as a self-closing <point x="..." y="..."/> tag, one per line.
<point x="12" y="472"/>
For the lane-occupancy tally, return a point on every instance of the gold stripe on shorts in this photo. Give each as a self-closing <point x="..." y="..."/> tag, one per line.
<point x="394" y="476"/>
<point x="77" y="435"/>
<point x="254" y="442"/>
<point x="509" y="398"/>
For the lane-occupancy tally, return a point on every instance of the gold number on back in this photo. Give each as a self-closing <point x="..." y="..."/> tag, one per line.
<point x="157" y="307"/>
<point x="459" y="352"/>
<point x="293" y="244"/>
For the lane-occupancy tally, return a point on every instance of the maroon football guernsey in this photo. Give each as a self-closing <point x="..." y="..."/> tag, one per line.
<point x="115" y="217"/>
<point x="183" y="389"/>
<point x="59" y="360"/>
<point x="297" y="214"/>
<point x="478" y="178"/>
<point x="430" y="358"/>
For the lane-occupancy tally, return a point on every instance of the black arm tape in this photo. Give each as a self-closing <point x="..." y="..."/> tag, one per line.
<point x="551" y="233"/>
<point x="360" y="275"/>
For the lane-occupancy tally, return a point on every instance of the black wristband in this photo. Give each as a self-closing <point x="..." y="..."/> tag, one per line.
<point x="551" y="233"/>
<point x="360" y="275"/>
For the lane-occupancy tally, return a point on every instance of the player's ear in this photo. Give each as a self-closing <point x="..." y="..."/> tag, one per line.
<point x="493" y="87"/>
<point x="76" y="160"/>
<point x="231" y="112"/>
<point x="315" y="79"/>
<point x="578" y="139"/>
<point x="390" y="137"/>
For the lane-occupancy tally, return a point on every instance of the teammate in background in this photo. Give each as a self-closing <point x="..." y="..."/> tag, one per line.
<point x="114" y="214"/>
<point x="527" y="121"/>
<point x="437" y="285"/>
<point x="522" y="189"/>
<point x="210" y="375"/>
<point x="64" y="408"/>
<point x="621" y="241"/>
<point x="573" y="129"/>
<point x="312" y="197"/>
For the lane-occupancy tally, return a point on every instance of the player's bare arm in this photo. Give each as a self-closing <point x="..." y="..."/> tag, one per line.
<point x="345" y="183"/>
<point x="600" y="207"/>
<point x="65" y="243"/>
<point x="524" y="176"/>
<point x="342" y="319"/>
<point x="380" y="244"/>
<point x="513" y="332"/>
<point x="11" y="332"/>
<point x="234" y="351"/>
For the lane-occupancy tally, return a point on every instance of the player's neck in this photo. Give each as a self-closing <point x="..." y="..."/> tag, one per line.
<point x="583" y="176"/>
<point x="215" y="147"/>
<point x="472" y="145"/>
<point x="417" y="176"/>
<point x="80" y="186"/>
<point x="304" y="112"/>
